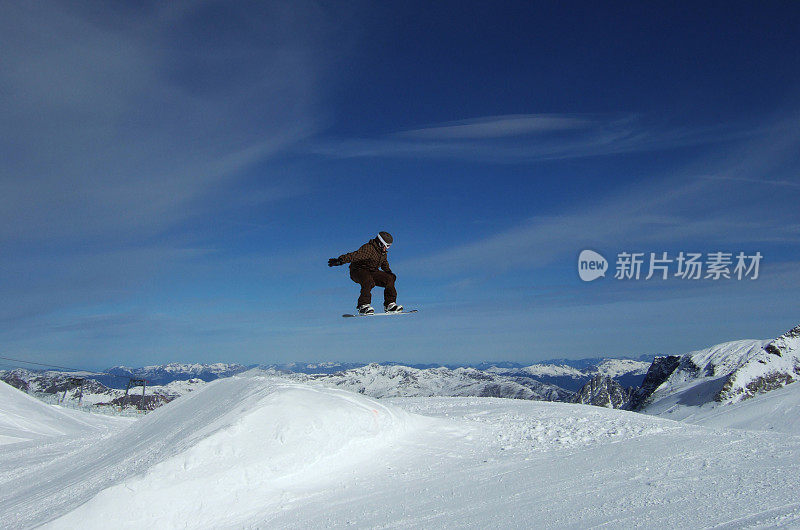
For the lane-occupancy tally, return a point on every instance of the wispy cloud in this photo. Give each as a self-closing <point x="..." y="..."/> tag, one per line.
<point x="123" y="124"/>
<point x="529" y="137"/>
<point x="499" y="126"/>
<point x="764" y="182"/>
<point x="114" y="127"/>
<point x="685" y="208"/>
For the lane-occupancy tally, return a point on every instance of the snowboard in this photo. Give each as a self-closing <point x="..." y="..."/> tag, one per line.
<point x="377" y="314"/>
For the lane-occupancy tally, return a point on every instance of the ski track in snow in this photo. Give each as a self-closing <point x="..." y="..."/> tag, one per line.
<point x="254" y="452"/>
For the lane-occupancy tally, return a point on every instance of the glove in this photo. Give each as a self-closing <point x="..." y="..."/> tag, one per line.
<point x="334" y="262"/>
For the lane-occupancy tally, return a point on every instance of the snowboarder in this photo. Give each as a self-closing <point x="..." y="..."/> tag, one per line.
<point x="364" y="270"/>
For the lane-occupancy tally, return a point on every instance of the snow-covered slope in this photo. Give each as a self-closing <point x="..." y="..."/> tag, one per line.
<point x="205" y="454"/>
<point x="382" y="381"/>
<point x="778" y="410"/>
<point x="260" y="452"/>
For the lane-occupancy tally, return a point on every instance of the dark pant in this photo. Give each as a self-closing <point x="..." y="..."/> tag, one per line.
<point x="369" y="279"/>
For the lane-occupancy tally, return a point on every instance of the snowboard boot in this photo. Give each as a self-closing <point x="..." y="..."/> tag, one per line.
<point x="366" y="309"/>
<point x="393" y="308"/>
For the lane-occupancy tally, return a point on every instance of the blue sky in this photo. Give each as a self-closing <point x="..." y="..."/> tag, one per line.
<point x="175" y="176"/>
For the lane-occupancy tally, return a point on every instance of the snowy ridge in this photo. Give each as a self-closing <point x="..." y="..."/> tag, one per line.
<point x="709" y="364"/>
<point x="182" y="368"/>
<point x="327" y="367"/>
<point x="52" y="382"/>
<point x="55" y="382"/>
<point x="776" y="365"/>
<point x="698" y="383"/>
<point x="724" y="358"/>
<point x="699" y="376"/>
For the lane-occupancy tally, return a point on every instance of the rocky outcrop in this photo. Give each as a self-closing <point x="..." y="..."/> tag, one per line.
<point x="14" y="379"/>
<point x="661" y="369"/>
<point x="136" y="401"/>
<point x="602" y="391"/>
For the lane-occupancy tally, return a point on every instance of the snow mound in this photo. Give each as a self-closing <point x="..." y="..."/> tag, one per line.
<point x="24" y="418"/>
<point x="260" y="452"/>
<point x="536" y="426"/>
<point x="235" y="442"/>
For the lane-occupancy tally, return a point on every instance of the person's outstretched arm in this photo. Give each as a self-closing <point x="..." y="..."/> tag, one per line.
<point x="349" y="257"/>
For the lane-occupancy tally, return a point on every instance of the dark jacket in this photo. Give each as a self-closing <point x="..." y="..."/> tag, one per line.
<point x="371" y="256"/>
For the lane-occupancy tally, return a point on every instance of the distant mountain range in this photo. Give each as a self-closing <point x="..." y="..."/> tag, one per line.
<point x="85" y="389"/>
<point x="574" y="375"/>
<point x="118" y="376"/>
<point x="666" y="385"/>
<point x="377" y="380"/>
<point x="567" y="374"/>
<point x="545" y="381"/>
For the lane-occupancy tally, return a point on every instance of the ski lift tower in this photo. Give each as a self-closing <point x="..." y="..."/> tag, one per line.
<point x="74" y="382"/>
<point x="132" y="383"/>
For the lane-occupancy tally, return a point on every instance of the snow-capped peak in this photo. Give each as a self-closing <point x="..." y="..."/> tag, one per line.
<point x="616" y="367"/>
